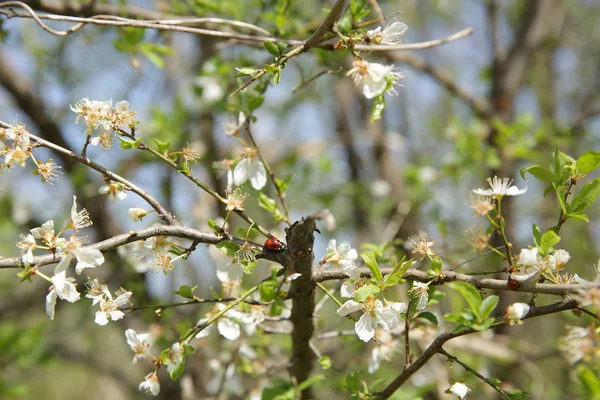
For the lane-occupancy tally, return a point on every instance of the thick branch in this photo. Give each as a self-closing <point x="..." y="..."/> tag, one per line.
<point x="300" y="238"/>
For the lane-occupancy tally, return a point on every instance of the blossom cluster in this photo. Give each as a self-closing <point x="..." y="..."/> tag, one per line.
<point x="103" y="116"/>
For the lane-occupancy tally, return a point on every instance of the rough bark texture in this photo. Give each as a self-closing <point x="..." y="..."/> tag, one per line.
<point x="300" y="240"/>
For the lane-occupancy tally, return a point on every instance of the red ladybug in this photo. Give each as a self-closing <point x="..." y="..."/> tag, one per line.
<point x="513" y="284"/>
<point x="273" y="244"/>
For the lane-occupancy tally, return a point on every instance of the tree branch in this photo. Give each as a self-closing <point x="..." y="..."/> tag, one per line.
<point x="437" y="344"/>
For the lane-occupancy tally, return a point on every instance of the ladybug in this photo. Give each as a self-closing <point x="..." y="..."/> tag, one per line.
<point x="513" y="284"/>
<point x="273" y="244"/>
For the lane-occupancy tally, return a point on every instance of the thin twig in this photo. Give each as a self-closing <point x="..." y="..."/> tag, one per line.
<point x="490" y="382"/>
<point x="166" y="216"/>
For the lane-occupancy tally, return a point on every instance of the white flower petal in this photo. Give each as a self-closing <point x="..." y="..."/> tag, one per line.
<point x="240" y="172"/>
<point x="228" y="329"/>
<point x="364" y="328"/>
<point x="101" y="318"/>
<point x="348" y="307"/>
<point x="51" y="303"/>
<point x="258" y="178"/>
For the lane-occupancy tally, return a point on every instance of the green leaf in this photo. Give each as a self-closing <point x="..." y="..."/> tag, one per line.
<point x="276" y="308"/>
<point x="588" y="379"/>
<point x="311" y="381"/>
<point x="162" y="147"/>
<point x="396" y="276"/>
<point x="428" y="316"/>
<point x="586" y="196"/>
<point x="579" y="216"/>
<point x="186" y="291"/>
<point x="588" y="162"/>
<point x="268" y="290"/>
<point x="364" y="292"/>
<point x="214" y="226"/>
<point x="537" y="235"/>
<point x="377" y="108"/>
<point x="549" y="239"/>
<point x="272" y="48"/>
<point x="369" y="259"/>
<point x="246" y="71"/>
<point x="188" y="350"/>
<point x="352" y="382"/>
<point x="516" y="394"/>
<point x="487" y="306"/>
<point x="436" y="265"/>
<point x="484" y="326"/>
<point x="267" y="203"/>
<point x="229" y="248"/>
<point x="325" y="362"/>
<point x="470" y="294"/>
<point x="178" y="372"/>
<point x="248" y="266"/>
<point x="254" y="102"/>
<point x="540" y="173"/>
<point x="128" y="144"/>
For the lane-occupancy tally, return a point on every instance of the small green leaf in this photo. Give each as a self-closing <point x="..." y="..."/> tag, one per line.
<point x="268" y="290"/>
<point x="377" y="108"/>
<point x="488" y="305"/>
<point x="272" y="48"/>
<point x="188" y="350"/>
<point x="537" y="235"/>
<point x="470" y="293"/>
<point x="396" y="276"/>
<point x="178" y="372"/>
<point x="352" y="382"/>
<point x="579" y="216"/>
<point x="267" y="203"/>
<point x="128" y="144"/>
<point x="214" y="226"/>
<point x="428" y="316"/>
<point x="162" y="147"/>
<point x="364" y="292"/>
<point x="369" y="259"/>
<point x="516" y="394"/>
<point x="229" y="248"/>
<point x="588" y="162"/>
<point x="549" y="239"/>
<point x="436" y="265"/>
<point x="246" y="71"/>
<point x="248" y="266"/>
<point x="540" y="173"/>
<point x="186" y="291"/>
<point x="277" y="308"/>
<point x="325" y="362"/>
<point x="586" y="196"/>
<point x="254" y="102"/>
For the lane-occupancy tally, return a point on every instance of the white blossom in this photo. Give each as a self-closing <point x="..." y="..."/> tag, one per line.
<point x="115" y="191"/>
<point x="529" y="257"/>
<point x="561" y="258"/>
<point x="86" y="257"/>
<point x="79" y="219"/>
<point x="45" y="232"/>
<point x="176" y="356"/>
<point x="150" y="385"/>
<point x="500" y="188"/>
<point x="375" y="315"/>
<point x="27" y="245"/>
<point x="233" y="126"/>
<point x="110" y="308"/>
<point x="390" y="35"/>
<point x="419" y="291"/>
<point x="375" y="78"/>
<point x="343" y="256"/>
<point x="459" y="389"/>
<point x="140" y="344"/>
<point x="230" y="272"/>
<point x="515" y="312"/>
<point x="136" y="213"/>
<point x="64" y="289"/>
<point x="250" y="168"/>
